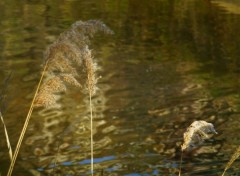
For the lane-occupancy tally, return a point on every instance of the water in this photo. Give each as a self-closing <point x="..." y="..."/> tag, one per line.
<point x="168" y="64"/>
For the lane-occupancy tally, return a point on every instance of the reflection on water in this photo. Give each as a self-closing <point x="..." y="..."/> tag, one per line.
<point x="168" y="64"/>
<point x="230" y="6"/>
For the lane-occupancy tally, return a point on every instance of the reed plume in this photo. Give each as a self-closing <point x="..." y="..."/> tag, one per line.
<point x="195" y="135"/>
<point x="233" y="158"/>
<point x="65" y="61"/>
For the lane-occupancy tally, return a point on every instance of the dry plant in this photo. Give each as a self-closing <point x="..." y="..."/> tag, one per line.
<point x="233" y="158"/>
<point x="68" y="61"/>
<point x="195" y="135"/>
<point x="91" y="84"/>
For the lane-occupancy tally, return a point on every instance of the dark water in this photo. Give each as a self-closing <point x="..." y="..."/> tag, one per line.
<point x="169" y="63"/>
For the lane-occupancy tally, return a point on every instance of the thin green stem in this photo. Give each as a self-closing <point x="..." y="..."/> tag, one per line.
<point x="10" y="170"/>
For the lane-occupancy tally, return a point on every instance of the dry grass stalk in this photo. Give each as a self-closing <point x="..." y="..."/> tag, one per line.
<point x="233" y="158"/>
<point x="7" y="137"/>
<point x="71" y="48"/>
<point x="195" y="135"/>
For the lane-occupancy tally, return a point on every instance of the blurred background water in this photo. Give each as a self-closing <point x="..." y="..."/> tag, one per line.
<point x="169" y="63"/>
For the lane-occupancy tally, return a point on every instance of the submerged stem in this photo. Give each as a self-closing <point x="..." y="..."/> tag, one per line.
<point x="25" y="124"/>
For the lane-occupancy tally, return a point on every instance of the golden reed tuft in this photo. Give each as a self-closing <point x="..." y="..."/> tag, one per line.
<point x="64" y="57"/>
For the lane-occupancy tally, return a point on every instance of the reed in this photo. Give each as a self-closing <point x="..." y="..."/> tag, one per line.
<point x="195" y="135"/>
<point x="64" y="60"/>
<point x="231" y="161"/>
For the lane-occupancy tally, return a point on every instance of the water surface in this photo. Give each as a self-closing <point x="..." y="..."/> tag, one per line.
<point x="169" y="63"/>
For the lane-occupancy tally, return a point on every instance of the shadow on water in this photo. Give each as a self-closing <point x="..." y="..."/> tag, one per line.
<point x="168" y="64"/>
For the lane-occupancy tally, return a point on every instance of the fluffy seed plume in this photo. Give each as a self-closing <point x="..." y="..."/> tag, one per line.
<point x="196" y="133"/>
<point x="60" y="65"/>
<point x="70" y="79"/>
<point x="66" y="48"/>
<point x="233" y="158"/>
<point x="54" y="84"/>
<point x="45" y="99"/>
<point x="68" y="56"/>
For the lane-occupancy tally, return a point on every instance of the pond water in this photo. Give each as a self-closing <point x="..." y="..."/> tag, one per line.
<point x="168" y="63"/>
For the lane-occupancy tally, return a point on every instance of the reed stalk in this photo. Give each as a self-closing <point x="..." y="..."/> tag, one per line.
<point x="91" y="85"/>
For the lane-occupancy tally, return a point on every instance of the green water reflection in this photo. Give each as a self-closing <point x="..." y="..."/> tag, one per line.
<point x="169" y="63"/>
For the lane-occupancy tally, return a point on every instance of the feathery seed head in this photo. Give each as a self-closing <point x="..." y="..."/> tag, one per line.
<point x="61" y="65"/>
<point x="69" y="78"/>
<point x="53" y="85"/>
<point x="45" y="99"/>
<point x="91" y="68"/>
<point x="65" y="56"/>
